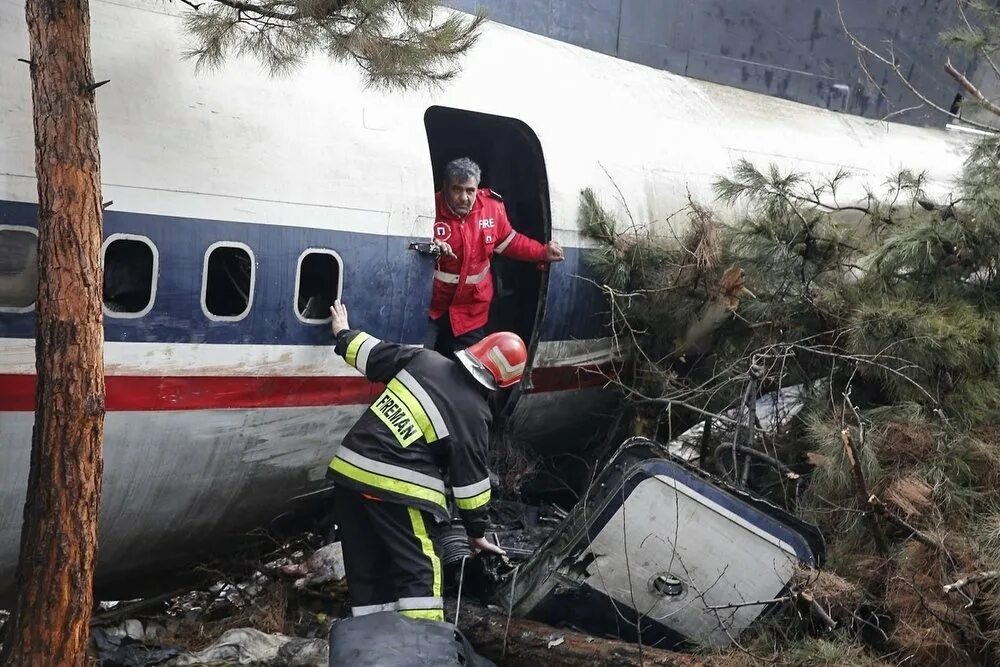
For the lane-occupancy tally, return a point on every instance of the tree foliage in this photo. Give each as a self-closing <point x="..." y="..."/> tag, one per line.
<point x="888" y="305"/>
<point x="396" y="43"/>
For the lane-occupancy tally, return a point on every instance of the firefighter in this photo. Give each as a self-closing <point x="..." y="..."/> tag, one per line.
<point x="390" y="493"/>
<point x="471" y="224"/>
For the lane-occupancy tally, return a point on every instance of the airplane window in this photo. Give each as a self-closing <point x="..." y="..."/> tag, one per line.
<point x="317" y="284"/>
<point x="18" y="268"/>
<point x="228" y="281"/>
<point x="130" y="272"/>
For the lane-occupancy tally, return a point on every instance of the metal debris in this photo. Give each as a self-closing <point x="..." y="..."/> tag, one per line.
<point x="661" y="541"/>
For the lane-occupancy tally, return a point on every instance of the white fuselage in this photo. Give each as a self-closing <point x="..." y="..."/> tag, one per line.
<point x="217" y="425"/>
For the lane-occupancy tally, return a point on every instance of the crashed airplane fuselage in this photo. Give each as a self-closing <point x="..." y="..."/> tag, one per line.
<point x="242" y="205"/>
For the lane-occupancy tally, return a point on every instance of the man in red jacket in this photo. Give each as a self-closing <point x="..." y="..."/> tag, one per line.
<point x="470" y="226"/>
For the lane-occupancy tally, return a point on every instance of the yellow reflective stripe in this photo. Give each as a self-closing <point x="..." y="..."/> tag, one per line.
<point x="388" y="483"/>
<point x="413" y="405"/>
<point x="475" y="502"/>
<point x="351" y="356"/>
<point x="389" y="470"/>
<point x="437" y="421"/>
<point x="424" y="614"/>
<point x="420" y="530"/>
<point x="395" y="414"/>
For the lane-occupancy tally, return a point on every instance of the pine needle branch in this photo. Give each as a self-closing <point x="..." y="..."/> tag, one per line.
<point x="397" y="44"/>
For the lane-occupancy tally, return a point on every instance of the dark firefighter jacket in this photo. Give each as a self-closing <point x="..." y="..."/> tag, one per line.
<point x="431" y="418"/>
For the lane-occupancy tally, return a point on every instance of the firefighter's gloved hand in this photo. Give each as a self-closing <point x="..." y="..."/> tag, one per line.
<point x="338" y="317"/>
<point x="445" y="248"/>
<point x="478" y="544"/>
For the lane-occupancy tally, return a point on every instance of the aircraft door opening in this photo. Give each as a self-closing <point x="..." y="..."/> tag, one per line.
<point x="510" y="156"/>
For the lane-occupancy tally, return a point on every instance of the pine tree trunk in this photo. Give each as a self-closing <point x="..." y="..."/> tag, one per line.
<point x="50" y="621"/>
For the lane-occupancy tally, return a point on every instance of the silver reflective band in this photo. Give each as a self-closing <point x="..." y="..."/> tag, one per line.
<point x="471" y="490"/>
<point x="363" y="352"/>
<point x="419" y="603"/>
<point x="437" y="421"/>
<point x="506" y="242"/>
<point x="452" y="278"/>
<point x="388" y="470"/>
<point x="372" y="609"/>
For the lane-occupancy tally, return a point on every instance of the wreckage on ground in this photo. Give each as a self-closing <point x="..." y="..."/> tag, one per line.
<point x="658" y="551"/>
<point x="661" y="552"/>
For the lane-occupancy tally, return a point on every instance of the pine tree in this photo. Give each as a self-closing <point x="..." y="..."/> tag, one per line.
<point x="50" y="623"/>
<point x="396" y="43"/>
<point x="893" y="305"/>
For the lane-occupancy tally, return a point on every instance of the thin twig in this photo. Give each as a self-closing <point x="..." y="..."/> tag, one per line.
<point x="750" y="604"/>
<point x="983" y="51"/>
<point x="894" y="66"/>
<point x="897" y="112"/>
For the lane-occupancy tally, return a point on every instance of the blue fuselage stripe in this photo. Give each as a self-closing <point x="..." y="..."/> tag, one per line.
<point x="386" y="285"/>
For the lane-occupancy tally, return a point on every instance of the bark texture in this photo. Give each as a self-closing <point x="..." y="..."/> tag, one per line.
<point x="50" y="621"/>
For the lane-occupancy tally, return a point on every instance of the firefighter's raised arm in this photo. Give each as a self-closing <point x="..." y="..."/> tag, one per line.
<point x="379" y="361"/>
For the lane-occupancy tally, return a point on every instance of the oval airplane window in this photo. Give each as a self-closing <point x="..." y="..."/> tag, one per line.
<point x="18" y="268"/>
<point x="228" y="281"/>
<point x="318" y="279"/>
<point x="131" y="268"/>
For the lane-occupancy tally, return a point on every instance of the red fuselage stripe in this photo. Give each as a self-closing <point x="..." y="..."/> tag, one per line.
<point x="137" y="392"/>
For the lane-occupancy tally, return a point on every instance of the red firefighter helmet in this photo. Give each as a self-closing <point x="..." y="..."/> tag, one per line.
<point x="497" y="360"/>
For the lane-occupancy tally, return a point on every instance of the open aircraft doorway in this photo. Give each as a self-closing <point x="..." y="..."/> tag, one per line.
<point x="510" y="156"/>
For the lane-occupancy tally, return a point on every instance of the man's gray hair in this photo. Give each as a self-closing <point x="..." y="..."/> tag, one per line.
<point x="460" y="170"/>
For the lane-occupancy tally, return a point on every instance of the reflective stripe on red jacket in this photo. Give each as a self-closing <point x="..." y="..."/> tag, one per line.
<point x="463" y="286"/>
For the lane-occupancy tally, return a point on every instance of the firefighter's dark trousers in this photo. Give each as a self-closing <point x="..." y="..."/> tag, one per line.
<point x="391" y="556"/>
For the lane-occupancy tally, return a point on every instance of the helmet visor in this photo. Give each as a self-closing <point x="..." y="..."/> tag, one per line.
<point x="476" y="369"/>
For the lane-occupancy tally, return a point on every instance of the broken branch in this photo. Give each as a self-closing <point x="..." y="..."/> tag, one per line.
<point x="529" y="642"/>
<point x="880" y="507"/>
<point x="861" y="489"/>
<point x="970" y="88"/>
<point x="971" y="579"/>
<point x="91" y="87"/>
<point x="817" y="610"/>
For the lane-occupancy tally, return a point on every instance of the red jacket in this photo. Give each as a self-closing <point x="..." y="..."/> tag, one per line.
<point x="463" y="287"/>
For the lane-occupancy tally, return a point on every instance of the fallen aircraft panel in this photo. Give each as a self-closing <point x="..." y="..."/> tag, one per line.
<point x="663" y="547"/>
